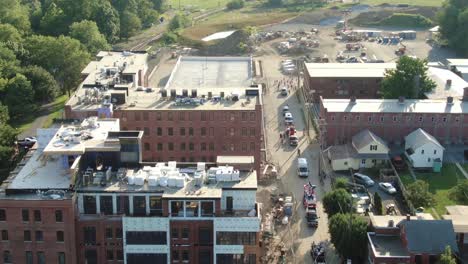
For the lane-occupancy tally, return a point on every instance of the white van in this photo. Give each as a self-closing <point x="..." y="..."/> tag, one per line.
<point x="302" y="167"/>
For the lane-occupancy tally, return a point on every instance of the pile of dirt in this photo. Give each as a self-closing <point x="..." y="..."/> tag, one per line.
<point x="381" y="17"/>
<point x="315" y="17"/>
<point x="232" y="45"/>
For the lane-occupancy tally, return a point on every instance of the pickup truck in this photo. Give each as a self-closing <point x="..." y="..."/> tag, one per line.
<point x="27" y="142"/>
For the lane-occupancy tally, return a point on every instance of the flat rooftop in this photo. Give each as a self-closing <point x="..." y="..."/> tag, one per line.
<point x="394" y="106"/>
<point x="348" y="70"/>
<point x="91" y="134"/>
<point x="387" y="246"/>
<point x="210" y="76"/>
<point x="440" y="76"/>
<point x="458" y="62"/>
<point x="382" y="220"/>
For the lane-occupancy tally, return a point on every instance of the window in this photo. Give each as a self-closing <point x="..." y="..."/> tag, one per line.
<point x="25" y="215"/>
<point x="435" y="151"/>
<point x="358" y="118"/>
<point x="118" y="233"/>
<point x="119" y="254"/>
<point x="106" y="204"/>
<point x="203" y="146"/>
<point x="159" y="131"/>
<point x="182" y="131"/>
<point x="89" y="235"/>
<point x="244" y="146"/>
<point x="170" y="146"/>
<point x="185" y="256"/>
<point x="109" y="233"/>
<point x="61" y="257"/>
<point x="363" y="161"/>
<point x="382" y="119"/>
<point x="244" y="131"/>
<point x="232" y="131"/>
<point x="191" y="146"/>
<point x="422" y="151"/>
<point x="6" y="256"/>
<point x="244" y="116"/>
<point x="27" y="235"/>
<point x="345" y="118"/>
<point x="37" y="215"/>
<point x="137" y="116"/>
<point x="170" y="116"/>
<point x="252" y="131"/>
<point x="41" y="258"/>
<point x="2" y="215"/>
<point x="332" y="118"/>
<point x="190" y="131"/>
<point x="395" y="119"/>
<point x="420" y="119"/>
<point x="159" y="146"/>
<point x="146" y="237"/>
<point x="4" y="235"/>
<point x="203" y="131"/>
<point x="156" y="205"/>
<point x="236" y="238"/>
<point x="29" y="257"/>
<point x="211" y="131"/>
<point x="444" y="119"/>
<point x="145" y="116"/>
<point x="146" y="131"/>
<point x="170" y="131"/>
<point x="211" y="146"/>
<point x="433" y="119"/>
<point x="177" y="208"/>
<point x="369" y="119"/>
<point x="203" y="116"/>
<point x="252" y="116"/>
<point x="147" y="146"/>
<point x="91" y="256"/>
<point x="58" y="216"/>
<point x="39" y="236"/>
<point x="373" y="147"/>
<point x="175" y="233"/>
<point x="252" y="146"/>
<point x="185" y="233"/>
<point x="191" y="208"/>
<point x="207" y="208"/>
<point x="181" y="116"/>
<point x="204" y="257"/>
<point x="139" y="205"/>
<point x="205" y="236"/>
<point x="89" y="203"/>
<point x="60" y="236"/>
<point x="428" y="159"/>
<point x="109" y="255"/>
<point x="175" y="255"/>
<point x="182" y="146"/>
<point x="158" y="116"/>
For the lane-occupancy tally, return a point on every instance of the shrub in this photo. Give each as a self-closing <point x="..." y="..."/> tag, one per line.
<point x="235" y="4"/>
<point x="406" y="20"/>
<point x="169" y="38"/>
<point x="179" y="21"/>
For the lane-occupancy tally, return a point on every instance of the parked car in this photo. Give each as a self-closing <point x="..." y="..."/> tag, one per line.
<point x="288" y="118"/>
<point x="363" y="179"/>
<point x="27" y="142"/>
<point x="302" y="167"/>
<point x="293" y="140"/>
<point x="285" y="109"/>
<point x="398" y="163"/>
<point x="284" y="91"/>
<point x="387" y="187"/>
<point x="311" y="217"/>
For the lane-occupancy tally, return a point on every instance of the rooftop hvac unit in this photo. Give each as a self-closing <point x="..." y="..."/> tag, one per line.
<point x="210" y="94"/>
<point x="222" y="94"/>
<point x="184" y="92"/>
<point x="163" y="93"/>
<point x="194" y="93"/>
<point x="173" y="93"/>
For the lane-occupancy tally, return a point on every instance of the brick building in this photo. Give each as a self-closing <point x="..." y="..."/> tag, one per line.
<point x="208" y="108"/>
<point x="100" y="204"/>
<point x="343" y="80"/>
<point x="446" y="120"/>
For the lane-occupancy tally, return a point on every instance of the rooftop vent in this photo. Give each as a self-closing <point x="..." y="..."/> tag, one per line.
<point x="391" y="223"/>
<point x="163" y="93"/>
<point x="352" y="100"/>
<point x="184" y="92"/>
<point x="194" y="93"/>
<point x="401" y="100"/>
<point x="450" y="100"/>
<point x="449" y="82"/>
<point x="173" y="93"/>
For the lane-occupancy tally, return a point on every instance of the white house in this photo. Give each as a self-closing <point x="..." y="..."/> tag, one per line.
<point x="422" y="149"/>
<point x="365" y="150"/>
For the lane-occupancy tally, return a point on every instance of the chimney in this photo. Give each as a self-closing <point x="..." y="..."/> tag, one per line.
<point x="401" y="99"/>
<point x="449" y="82"/>
<point x="450" y="100"/>
<point x="352" y="100"/>
<point x="465" y="94"/>
<point x="408" y="217"/>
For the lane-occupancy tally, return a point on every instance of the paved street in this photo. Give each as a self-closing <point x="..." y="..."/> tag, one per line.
<point x="285" y="158"/>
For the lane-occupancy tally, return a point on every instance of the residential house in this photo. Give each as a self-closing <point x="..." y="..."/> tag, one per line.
<point x="423" y="150"/>
<point x="412" y="241"/>
<point x="459" y="216"/>
<point x="365" y="150"/>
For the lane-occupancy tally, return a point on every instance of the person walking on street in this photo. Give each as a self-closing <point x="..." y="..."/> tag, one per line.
<point x="281" y="137"/>
<point x="298" y="152"/>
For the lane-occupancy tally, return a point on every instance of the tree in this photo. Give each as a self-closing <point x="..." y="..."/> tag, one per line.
<point x="53" y="22"/>
<point x="6" y="153"/>
<point x="19" y="97"/>
<point x="158" y="5"/>
<point x="275" y="2"/>
<point x="459" y="192"/>
<point x="453" y="21"/>
<point x="419" y="195"/>
<point x="88" y="34"/>
<point x="377" y="204"/>
<point x="147" y="13"/>
<point x="447" y="257"/>
<point x="337" y="201"/>
<point x="341" y="182"/>
<point x="409" y="79"/>
<point x="63" y="57"/>
<point x="7" y="135"/>
<point x="129" y="24"/>
<point x="9" y="33"/>
<point x="235" y="4"/>
<point x="14" y="13"/>
<point x="108" y="20"/>
<point x="44" y="85"/>
<point x="348" y="234"/>
<point x="4" y="116"/>
<point x="178" y="22"/>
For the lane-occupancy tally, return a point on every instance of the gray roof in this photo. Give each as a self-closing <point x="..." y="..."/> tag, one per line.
<point x="430" y="236"/>
<point x="342" y="152"/>
<point x="419" y="138"/>
<point x="364" y="138"/>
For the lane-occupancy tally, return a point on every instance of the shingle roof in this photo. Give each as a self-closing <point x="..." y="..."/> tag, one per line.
<point x="364" y="138"/>
<point x="418" y="138"/>
<point x="429" y="236"/>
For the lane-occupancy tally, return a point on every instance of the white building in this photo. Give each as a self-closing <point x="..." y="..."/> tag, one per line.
<point x="422" y="149"/>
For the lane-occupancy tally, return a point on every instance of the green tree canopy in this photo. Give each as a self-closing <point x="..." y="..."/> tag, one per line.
<point x="7" y="135"/>
<point x="6" y="153"/>
<point x="447" y="257"/>
<point x="19" y="97"/>
<point x="14" y="13"/>
<point x="349" y="236"/>
<point x="63" y="57"/>
<point x="44" y="85"/>
<point x="459" y="192"/>
<point x="419" y="195"/>
<point x="4" y="116"/>
<point x="129" y="24"/>
<point x="9" y="33"/>
<point x="179" y="21"/>
<point x="88" y="34"/>
<point x="54" y="21"/>
<point x="453" y="21"/>
<point x="409" y="79"/>
<point x="108" y="20"/>
<point x="337" y="201"/>
<point x="341" y="182"/>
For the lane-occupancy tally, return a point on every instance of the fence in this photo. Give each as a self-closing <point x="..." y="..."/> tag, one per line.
<point x="398" y="184"/>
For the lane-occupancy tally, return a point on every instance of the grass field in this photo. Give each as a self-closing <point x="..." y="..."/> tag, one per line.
<point x="197" y="4"/>
<point x="439" y="184"/>
<point x="409" y="2"/>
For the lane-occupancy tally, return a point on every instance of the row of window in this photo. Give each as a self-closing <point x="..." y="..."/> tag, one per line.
<point x="182" y="116"/>
<point x="91" y="256"/>
<point x="89" y="234"/>
<point x="236" y="238"/>
<point x="397" y="119"/>
<point x="185" y="159"/>
<point x="236" y="259"/>
<point x="106" y="203"/>
<point x="39" y="236"/>
<point x="29" y="259"/>
<point x="244" y="131"/>
<point x="244" y="146"/>
<point x="37" y="216"/>
<point x="204" y="235"/>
